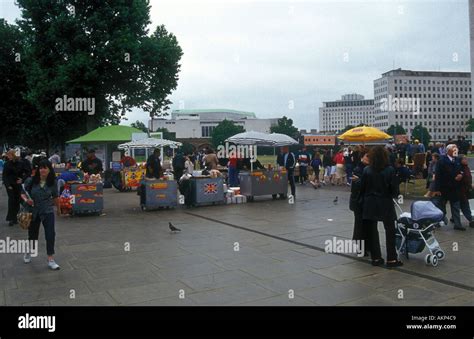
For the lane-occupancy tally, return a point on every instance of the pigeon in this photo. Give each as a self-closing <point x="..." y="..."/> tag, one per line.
<point x="335" y="201"/>
<point x="173" y="229"/>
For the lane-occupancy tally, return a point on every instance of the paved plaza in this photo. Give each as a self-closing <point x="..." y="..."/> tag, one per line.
<point x="261" y="253"/>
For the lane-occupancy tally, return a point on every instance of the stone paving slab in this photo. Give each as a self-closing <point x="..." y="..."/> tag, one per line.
<point x="202" y="262"/>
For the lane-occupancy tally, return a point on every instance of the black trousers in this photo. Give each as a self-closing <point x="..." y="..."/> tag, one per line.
<point x="13" y="202"/>
<point x="373" y="239"/>
<point x="303" y="174"/>
<point x="360" y="232"/>
<point x="49" y="231"/>
<point x="291" y="180"/>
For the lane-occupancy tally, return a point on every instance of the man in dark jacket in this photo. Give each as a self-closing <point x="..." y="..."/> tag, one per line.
<point x="153" y="165"/>
<point x="12" y="179"/>
<point x="448" y="176"/>
<point x="178" y="165"/>
<point x="289" y="161"/>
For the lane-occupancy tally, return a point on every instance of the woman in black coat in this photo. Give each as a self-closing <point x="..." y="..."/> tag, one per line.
<point x="379" y="185"/>
<point x="12" y="179"/>
<point x="355" y="201"/>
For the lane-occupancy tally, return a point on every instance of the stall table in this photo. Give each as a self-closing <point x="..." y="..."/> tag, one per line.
<point x="87" y="198"/>
<point x="263" y="182"/>
<point x="207" y="191"/>
<point x="159" y="194"/>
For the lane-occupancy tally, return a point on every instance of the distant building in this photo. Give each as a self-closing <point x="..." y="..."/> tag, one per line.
<point x="352" y="109"/>
<point x="439" y="101"/>
<point x="199" y="123"/>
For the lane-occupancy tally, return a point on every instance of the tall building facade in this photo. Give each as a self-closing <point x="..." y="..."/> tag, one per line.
<point x="471" y="34"/>
<point x="199" y="123"/>
<point x="439" y="101"/>
<point x="352" y="109"/>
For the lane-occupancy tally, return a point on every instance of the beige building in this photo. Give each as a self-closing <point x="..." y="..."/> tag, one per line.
<point x="352" y="109"/>
<point x="439" y="101"/>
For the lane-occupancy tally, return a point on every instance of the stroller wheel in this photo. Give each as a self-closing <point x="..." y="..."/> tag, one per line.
<point x="440" y="254"/>
<point x="428" y="259"/>
<point x="434" y="261"/>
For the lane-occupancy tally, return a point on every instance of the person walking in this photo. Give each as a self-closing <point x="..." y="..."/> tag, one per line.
<point x="43" y="196"/>
<point x="447" y="187"/>
<point x="360" y="232"/>
<point x="339" y="161"/>
<point x="327" y="164"/>
<point x="349" y="165"/>
<point x="466" y="188"/>
<point x="289" y="161"/>
<point x="379" y="186"/>
<point x="303" y="160"/>
<point x="316" y="164"/>
<point x="12" y="179"/>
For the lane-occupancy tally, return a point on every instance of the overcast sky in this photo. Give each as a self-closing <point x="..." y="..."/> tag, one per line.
<point x="280" y="57"/>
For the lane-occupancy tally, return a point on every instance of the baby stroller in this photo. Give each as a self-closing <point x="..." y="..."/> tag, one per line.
<point x="415" y="231"/>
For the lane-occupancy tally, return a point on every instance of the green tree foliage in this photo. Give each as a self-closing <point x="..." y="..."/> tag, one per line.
<point x="140" y="125"/>
<point x="396" y="130"/>
<point x="421" y="133"/>
<point x="285" y="126"/>
<point x="93" y="49"/>
<point x="224" y="130"/>
<point x="167" y="134"/>
<point x="470" y="125"/>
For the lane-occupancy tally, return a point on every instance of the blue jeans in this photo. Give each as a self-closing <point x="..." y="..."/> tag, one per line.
<point x="440" y="202"/>
<point x="233" y="177"/>
<point x="49" y="231"/>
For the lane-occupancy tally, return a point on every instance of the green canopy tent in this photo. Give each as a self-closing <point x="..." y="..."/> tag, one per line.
<point x="105" y="140"/>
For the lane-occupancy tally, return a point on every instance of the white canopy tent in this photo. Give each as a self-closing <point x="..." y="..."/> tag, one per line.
<point x="148" y="143"/>
<point x="262" y="139"/>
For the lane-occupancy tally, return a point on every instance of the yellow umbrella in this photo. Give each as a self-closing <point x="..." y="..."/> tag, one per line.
<point x="364" y="134"/>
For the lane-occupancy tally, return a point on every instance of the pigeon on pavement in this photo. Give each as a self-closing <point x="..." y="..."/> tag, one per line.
<point x="173" y="229"/>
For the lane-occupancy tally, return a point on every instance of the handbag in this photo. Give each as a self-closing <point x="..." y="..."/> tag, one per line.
<point x="24" y="217"/>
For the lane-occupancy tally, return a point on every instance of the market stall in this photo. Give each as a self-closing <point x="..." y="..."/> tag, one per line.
<point x="207" y="191"/>
<point x="263" y="181"/>
<point x="159" y="194"/>
<point x="84" y="197"/>
<point x="129" y="178"/>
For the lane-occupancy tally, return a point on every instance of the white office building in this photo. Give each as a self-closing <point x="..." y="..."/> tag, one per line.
<point x="352" y="109"/>
<point x="439" y="101"/>
<point x="199" y="123"/>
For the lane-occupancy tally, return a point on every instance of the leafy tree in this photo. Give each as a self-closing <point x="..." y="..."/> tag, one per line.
<point x="470" y="125"/>
<point x="224" y="130"/>
<point x="421" y="133"/>
<point x="19" y="120"/>
<point x="167" y="134"/>
<point x="187" y="148"/>
<point x="140" y="125"/>
<point x="396" y="130"/>
<point x="95" y="49"/>
<point x="285" y="126"/>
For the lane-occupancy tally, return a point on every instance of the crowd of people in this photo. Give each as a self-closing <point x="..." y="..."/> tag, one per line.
<point x="373" y="175"/>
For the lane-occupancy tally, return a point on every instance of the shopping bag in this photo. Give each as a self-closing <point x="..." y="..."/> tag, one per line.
<point x="24" y="217"/>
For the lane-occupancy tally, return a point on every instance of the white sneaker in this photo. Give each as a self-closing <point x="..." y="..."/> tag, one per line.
<point x="27" y="258"/>
<point x="52" y="265"/>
